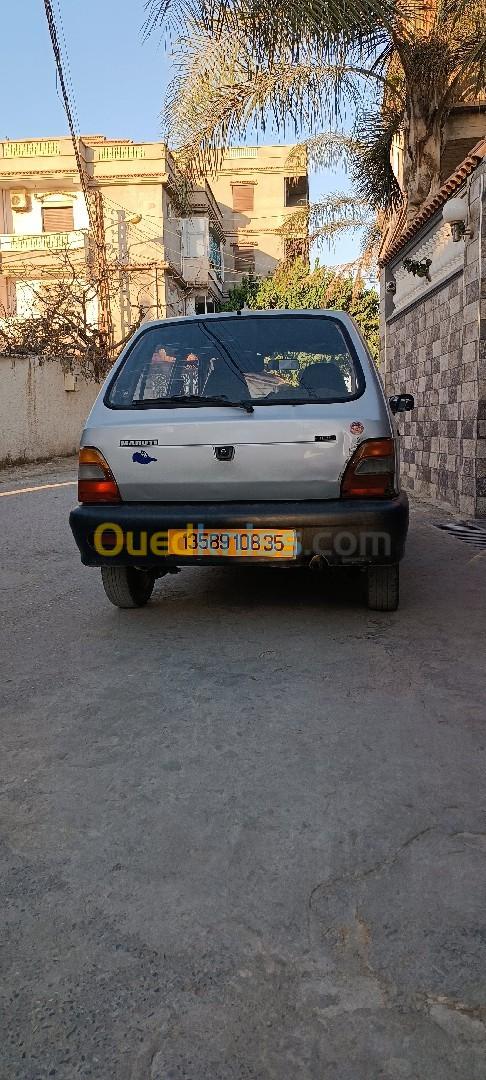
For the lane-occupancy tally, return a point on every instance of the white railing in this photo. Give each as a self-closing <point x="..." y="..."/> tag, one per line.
<point x="52" y="241"/>
<point x="120" y="152"/>
<point x="30" y="148"/>
<point x="241" y="152"/>
<point x="446" y="258"/>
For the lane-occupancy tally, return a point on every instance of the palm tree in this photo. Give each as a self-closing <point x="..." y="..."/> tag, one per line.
<point x="398" y="66"/>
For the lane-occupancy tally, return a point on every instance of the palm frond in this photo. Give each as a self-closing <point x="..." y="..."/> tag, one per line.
<point x="345" y="208"/>
<point x="371" y="170"/>
<point x="344" y="216"/>
<point x="305" y="64"/>
<point x="218" y="91"/>
<point x="338" y="210"/>
<point x="326" y="150"/>
<point x="282" y="26"/>
<point x="370" y="247"/>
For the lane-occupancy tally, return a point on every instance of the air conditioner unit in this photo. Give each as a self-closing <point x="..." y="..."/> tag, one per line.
<point x="20" y="201"/>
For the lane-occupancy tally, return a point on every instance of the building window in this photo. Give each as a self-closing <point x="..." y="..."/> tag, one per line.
<point x="57" y="219"/>
<point x="243" y="197"/>
<point x="296" y="191"/>
<point x="204" y="305"/>
<point x="215" y="260"/>
<point x="244" y="260"/>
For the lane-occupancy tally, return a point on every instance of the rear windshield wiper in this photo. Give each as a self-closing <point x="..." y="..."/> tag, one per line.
<point x="191" y="399"/>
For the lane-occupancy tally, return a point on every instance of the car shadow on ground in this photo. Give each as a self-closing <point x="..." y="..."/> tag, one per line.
<point x="263" y="587"/>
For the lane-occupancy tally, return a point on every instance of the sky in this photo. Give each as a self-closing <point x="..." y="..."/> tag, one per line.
<point x="118" y="80"/>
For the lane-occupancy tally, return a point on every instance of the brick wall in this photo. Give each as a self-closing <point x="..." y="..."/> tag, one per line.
<point x="481" y="443"/>
<point x="434" y="347"/>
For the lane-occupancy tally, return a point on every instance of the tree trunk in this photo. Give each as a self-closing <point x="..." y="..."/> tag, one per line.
<point x="423" y="134"/>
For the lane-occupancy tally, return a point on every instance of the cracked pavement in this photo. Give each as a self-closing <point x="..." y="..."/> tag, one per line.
<point x="243" y="830"/>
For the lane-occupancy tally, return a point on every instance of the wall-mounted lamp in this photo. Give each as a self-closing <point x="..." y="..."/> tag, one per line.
<point x="133" y="220"/>
<point x="455" y="213"/>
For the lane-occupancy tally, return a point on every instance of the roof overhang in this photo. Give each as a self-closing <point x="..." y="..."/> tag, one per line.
<point x="402" y="234"/>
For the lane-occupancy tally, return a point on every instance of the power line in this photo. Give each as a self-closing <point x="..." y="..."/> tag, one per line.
<point x="94" y="202"/>
<point x="68" y="69"/>
<point x="145" y="237"/>
<point x="51" y="22"/>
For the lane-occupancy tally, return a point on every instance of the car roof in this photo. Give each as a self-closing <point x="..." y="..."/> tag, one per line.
<point x="244" y="313"/>
<point x="343" y="317"/>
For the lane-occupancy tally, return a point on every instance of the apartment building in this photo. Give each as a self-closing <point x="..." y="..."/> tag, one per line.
<point x="258" y="190"/>
<point x="164" y="257"/>
<point x="158" y="260"/>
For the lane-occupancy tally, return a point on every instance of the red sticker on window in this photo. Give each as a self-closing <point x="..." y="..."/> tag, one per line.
<point x="356" y="428"/>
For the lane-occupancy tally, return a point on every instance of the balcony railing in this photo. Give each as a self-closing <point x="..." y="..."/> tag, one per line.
<point x="50" y="241"/>
<point x="241" y="152"/>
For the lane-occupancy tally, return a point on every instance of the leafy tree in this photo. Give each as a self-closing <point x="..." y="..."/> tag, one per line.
<point x="399" y="67"/>
<point x="296" y="285"/>
<point x="64" y="323"/>
<point x="243" y="294"/>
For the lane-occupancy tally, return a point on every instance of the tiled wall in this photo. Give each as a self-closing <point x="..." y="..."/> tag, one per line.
<point x="434" y="346"/>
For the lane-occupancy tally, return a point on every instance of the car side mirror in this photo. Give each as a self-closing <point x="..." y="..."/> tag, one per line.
<point x="401" y="403"/>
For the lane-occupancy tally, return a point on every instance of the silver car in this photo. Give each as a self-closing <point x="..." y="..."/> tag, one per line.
<point x="261" y="437"/>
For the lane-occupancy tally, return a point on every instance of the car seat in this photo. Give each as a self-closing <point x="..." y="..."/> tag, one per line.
<point x="225" y="381"/>
<point x="323" y="378"/>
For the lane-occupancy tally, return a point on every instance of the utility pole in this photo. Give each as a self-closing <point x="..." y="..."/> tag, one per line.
<point x="124" y="276"/>
<point x="101" y="269"/>
<point x="94" y="199"/>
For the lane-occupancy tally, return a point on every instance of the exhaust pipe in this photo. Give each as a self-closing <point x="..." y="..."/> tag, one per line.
<point x="318" y="562"/>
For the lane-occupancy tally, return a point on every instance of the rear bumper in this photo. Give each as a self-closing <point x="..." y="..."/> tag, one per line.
<point x="344" y="532"/>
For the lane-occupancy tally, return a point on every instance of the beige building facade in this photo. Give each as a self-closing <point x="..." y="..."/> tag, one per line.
<point x="259" y="189"/>
<point x="165" y="256"/>
<point x="44" y="226"/>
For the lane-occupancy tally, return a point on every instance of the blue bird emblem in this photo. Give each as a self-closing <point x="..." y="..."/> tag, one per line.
<point x="142" y="457"/>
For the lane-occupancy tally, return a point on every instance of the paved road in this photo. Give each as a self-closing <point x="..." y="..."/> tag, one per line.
<point x="243" y="830"/>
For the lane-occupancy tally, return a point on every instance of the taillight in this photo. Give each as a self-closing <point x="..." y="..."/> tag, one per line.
<point x="96" y="483"/>
<point x="371" y="471"/>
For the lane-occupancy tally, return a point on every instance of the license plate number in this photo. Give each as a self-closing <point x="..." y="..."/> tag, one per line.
<point x="234" y="543"/>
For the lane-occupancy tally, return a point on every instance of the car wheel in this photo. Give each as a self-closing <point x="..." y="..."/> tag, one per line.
<point x="383" y="587"/>
<point x="126" y="586"/>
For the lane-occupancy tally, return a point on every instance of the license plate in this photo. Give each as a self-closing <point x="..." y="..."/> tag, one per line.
<point x="234" y="543"/>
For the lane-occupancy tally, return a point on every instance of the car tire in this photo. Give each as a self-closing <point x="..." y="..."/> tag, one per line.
<point x="383" y="587"/>
<point x="127" y="587"/>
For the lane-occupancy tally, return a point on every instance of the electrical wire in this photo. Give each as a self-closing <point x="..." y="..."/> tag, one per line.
<point x="51" y="22"/>
<point x="68" y="70"/>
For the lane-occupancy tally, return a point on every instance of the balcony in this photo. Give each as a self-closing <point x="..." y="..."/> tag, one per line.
<point x="44" y="164"/>
<point x="38" y="251"/>
<point x="202" y="264"/>
<point x="201" y="201"/>
<point x="24" y="163"/>
<point x="198" y="273"/>
<point x="195" y="270"/>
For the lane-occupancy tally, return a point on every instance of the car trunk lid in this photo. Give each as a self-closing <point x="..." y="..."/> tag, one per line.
<point x="276" y="452"/>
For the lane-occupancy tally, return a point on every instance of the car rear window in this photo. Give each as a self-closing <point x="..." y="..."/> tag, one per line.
<point x="263" y="360"/>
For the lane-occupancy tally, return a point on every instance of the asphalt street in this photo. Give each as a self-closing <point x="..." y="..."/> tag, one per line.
<point x="243" y="830"/>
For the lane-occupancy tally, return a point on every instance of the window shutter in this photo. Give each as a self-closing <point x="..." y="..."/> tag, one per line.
<point x="243" y="197"/>
<point x="244" y="260"/>
<point x="57" y="219"/>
